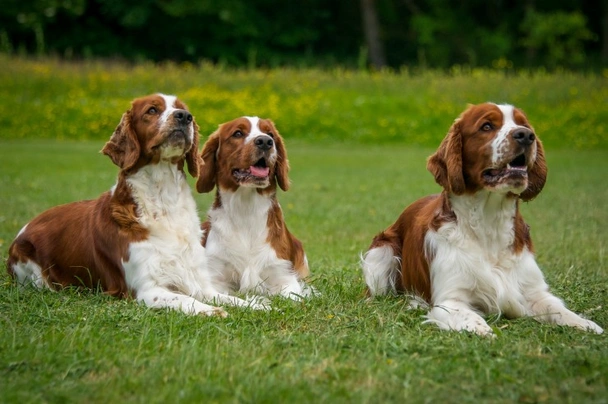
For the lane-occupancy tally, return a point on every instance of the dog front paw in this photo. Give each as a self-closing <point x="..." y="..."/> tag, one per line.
<point x="213" y="311"/>
<point x="480" y="328"/>
<point x="471" y="322"/>
<point x="257" y="302"/>
<point x="588" y="325"/>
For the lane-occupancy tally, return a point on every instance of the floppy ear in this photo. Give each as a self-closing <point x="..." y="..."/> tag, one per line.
<point x="281" y="168"/>
<point x="446" y="163"/>
<point x="537" y="175"/>
<point x="207" y="167"/>
<point x="193" y="159"/>
<point x="123" y="147"/>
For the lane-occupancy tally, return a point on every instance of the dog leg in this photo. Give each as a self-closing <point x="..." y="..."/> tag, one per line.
<point x="292" y="289"/>
<point x="544" y="306"/>
<point x="550" y="309"/>
<point x="252" y="303"/>
<point x="281" y="280"/>
<point x="458" y="316"/>
<point x="159" y="298"/>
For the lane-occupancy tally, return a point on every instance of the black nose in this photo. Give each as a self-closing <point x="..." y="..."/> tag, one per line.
<point x="263" y="142"/>
<point x="523" y="136"/>
<point x="183" y="116"/>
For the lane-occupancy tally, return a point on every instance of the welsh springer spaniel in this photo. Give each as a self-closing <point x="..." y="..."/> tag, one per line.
<point x="468" y="251"/>
<point x="248" y="245"/>
<point x="142" y="237"/>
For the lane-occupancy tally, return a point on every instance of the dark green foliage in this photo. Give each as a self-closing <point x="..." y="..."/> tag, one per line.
<point x="269" y="33"/>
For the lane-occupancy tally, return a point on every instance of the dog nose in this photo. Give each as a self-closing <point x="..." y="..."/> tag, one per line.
<point x="523" y="136"/>
<point x="263" y="142"/>
<point x="183" y="116"/>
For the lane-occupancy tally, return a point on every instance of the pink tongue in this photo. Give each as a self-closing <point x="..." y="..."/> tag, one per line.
<point x="259" y="171"/>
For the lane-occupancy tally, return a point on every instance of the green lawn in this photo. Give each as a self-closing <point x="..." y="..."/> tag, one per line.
<point x="357" y="143"/>
<point x="84" y="347"/>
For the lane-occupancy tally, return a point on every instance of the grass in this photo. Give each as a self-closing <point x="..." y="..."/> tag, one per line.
<point x="78" y="346"/>
<point x="357" y="143"/>
<point x="85" y="100"/>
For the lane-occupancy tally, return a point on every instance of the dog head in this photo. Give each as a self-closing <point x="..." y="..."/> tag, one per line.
<point x="245" y="152"/>
<point x="491" y="147"/>
<point x="157" y="128"/>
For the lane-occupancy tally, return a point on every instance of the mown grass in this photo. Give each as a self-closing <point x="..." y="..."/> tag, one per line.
<point x="357" y="145"/>
<point x="79" y="346"/>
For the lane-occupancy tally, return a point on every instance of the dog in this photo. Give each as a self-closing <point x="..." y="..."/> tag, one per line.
<point x="468" y="251"/>
<point x="142" y="238"/>
<point x="248" y="245"/>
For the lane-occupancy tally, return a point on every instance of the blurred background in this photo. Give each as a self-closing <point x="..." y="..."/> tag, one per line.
<point x="322" y="33"/>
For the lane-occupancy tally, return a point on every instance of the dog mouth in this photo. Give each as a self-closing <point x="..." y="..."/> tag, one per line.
<point x="516" y="168"/>
<point x="256" y="173"/>
<point x="174" y="144"/>
<point x="177" y="136"/>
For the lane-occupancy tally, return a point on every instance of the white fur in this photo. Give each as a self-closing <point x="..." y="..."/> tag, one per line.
<point x="170" y="107"/>
<point x="380" y="267"/>
<point x="255" y="132"/>
<point x="29" y="273"/>
<point x="475" y="271"/>
<point x="501" y="143"/>
<point x="255" y="129"/>
<point x="238" y="254"/>
<point x="169" y="269"/>
<point x="22" y="230"/>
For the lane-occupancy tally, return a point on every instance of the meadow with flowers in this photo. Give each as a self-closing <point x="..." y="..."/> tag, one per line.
<point x="80" y="101"/>
<point x="357" y="143"/>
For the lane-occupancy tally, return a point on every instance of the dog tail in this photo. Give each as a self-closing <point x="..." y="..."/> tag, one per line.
<point x="381" y="265"/>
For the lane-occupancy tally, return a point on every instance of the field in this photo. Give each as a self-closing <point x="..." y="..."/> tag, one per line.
<point x="357" y="144"/>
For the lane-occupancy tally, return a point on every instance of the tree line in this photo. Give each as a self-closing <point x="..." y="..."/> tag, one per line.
<point x="354" y="34"/>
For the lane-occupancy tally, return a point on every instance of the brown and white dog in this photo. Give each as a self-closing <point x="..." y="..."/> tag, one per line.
<point x="248" y="245"/>
<point x="141" y="238"/>
<point x="468" y="251"/>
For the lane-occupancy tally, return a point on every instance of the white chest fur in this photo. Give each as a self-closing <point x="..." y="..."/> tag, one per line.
<point x="474" y="259"/>
<point x="238" y="250"/>
<point x="485" y="222"/>
<point x="172" y="255"/>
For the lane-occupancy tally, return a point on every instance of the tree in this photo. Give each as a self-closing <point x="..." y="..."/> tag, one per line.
<point x="558" y="36"/>
<point x="371" y="28"/>
<point x="35" y="15"/>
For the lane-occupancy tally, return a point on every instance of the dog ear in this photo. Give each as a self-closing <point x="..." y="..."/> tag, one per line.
<point x="282" y="165"/>
<point x="123" y="147"/>
<point x="208" y="166"/>
<point x="537" y="175"/>
<point x="193" y="158"/>
<point x="446" y="163"/>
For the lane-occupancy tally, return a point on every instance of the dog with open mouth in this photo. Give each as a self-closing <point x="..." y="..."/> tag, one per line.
<point x="248" y="245"/>
<point x="467" y="251"/>
<point x="141" y="238"/>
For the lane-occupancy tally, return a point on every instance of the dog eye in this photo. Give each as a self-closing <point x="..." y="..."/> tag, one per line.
<point x="270" y="134"/>
<point x="152" y="111"/>
<point x="237" y="134"/>
<point x="486" y="127"/>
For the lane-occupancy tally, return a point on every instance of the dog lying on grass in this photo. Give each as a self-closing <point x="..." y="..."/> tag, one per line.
<point x="248" y="245"/>
<point x="143" y="237"/>
<point x="468" y="251"/>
